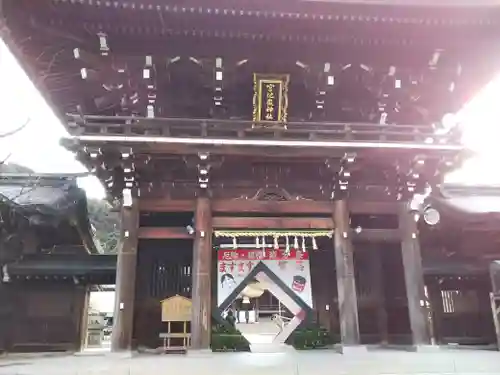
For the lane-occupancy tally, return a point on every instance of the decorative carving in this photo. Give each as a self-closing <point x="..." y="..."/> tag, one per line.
<point x="341" y="173"/>
<point x="272" y="194"/>
<point x="272" y="197"/>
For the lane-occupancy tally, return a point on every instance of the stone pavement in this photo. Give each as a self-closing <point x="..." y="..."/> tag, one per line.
<point x="287" y="362"/>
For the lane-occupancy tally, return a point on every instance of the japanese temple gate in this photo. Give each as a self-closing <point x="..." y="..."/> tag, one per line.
<point x="333" y="262"/>
<point x="276" y="116"/>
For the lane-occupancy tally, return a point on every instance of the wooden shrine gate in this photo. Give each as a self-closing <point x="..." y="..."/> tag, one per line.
<point x="171" y="261"/>
<point x="375" y="273"/>
<point x="222" y="111"/>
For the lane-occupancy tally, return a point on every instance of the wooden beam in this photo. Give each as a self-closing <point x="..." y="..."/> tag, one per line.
<point x="166" y="205"/>
<point x="272" y="223"/>
<point x="162" y="233"/>
<point x="376" y="235"/>
<point x="372" y="235"/>
<point x="272" y="207"/>
<point x="357" y="206"/>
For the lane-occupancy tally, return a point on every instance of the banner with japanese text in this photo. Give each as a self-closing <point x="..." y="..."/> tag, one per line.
<point x="292" y="268"/>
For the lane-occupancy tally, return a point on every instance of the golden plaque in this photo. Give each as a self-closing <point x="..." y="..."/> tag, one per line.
<point x="176" y="309"/>
<point x="270" y="98"/>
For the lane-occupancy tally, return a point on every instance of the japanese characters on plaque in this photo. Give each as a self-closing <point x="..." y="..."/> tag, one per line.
<point x="270" y="98"/>
<point x="270" y="92"/>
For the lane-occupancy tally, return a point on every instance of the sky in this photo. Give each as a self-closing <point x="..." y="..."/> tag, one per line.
<point x="37" y="145"/>
<point x="102" y="301"/>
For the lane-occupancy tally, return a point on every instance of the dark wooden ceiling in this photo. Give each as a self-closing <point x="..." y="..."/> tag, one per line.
<point x="362" y="43"/>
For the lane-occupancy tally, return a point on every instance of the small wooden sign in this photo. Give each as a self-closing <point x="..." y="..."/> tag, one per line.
<point x="176" y="309"/>
<point x="270" y="101"/>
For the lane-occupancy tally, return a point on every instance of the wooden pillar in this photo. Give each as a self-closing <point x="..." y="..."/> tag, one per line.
<point x="346" y="285"/>
<point x="84" y="320"/>
<point x="123" y="317"/>
<point x="414" y="276"/>
<point x="202" y="267"/>
<point x="379" y="291"/>
<point x="437" y="310"/>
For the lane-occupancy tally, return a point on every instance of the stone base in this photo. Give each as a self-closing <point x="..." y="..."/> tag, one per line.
<point x="490" y="347"/>
<point x="399" y="347"/>
<point x="122" y="354"/>
<point x="199" y="353"/>
<point x="87" y="353"/>
<point x="406" y="348"/>
<point x="351" y="349"/>
<point x="426" y="348"/>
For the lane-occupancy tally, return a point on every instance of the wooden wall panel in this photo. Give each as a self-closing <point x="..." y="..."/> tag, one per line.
<point x="166" y="205"/>
<point x="159" y="233"/>
<point x="272" y="207"/>
<point x="324" y="287"/>
<point x="164" y="269"/>
<point x="377" y="235"/>
<point x="44" y="317"/>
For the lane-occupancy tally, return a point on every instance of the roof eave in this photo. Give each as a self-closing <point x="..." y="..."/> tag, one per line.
<point x="5" y="35"/>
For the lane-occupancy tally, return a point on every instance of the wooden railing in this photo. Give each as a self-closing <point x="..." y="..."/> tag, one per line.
<point x="243" y="129"/>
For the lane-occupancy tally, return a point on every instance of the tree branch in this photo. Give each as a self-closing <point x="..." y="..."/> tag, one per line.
<point x="6" y="158"/>
<point x="17" y="130"/>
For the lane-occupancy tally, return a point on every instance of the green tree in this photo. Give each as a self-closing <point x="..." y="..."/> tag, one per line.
<point x="106" y="223"/>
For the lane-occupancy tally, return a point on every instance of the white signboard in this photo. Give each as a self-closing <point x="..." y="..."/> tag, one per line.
<point x="292" y="268"/>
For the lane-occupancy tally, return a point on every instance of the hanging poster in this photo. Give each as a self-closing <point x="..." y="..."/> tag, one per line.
<point x="232" y="269"/>
<point x="292" y="268"/>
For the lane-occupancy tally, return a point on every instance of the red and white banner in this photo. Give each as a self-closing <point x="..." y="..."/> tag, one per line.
<point x="292" y="268"/>
<point x="262" y="254"/>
